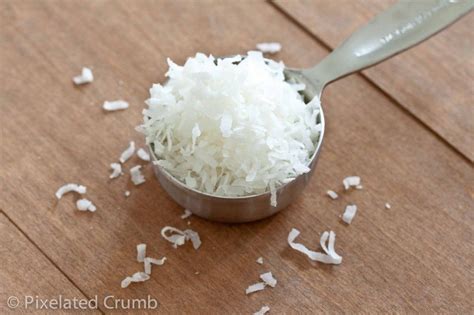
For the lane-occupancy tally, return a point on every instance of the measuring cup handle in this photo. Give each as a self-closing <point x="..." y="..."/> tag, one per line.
<point x="402" y="26"/>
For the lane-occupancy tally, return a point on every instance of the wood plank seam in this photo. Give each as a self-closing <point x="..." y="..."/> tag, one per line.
<point x="49" y="259"/>
<point x="370" y="81"/>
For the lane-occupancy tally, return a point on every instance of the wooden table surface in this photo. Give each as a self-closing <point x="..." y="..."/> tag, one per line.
<point x="405" y="126"/>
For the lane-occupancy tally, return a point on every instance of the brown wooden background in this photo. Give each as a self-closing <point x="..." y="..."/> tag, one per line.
<point x="405" y="126"/>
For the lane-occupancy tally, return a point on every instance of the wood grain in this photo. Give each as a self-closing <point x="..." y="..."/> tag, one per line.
<point x="416" y="257"/>
<point x="26" y="272"/>
<point x="434" y="80"/>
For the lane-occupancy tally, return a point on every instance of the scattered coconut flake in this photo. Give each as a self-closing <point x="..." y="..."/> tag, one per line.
<point x="149" y="261"/>
<point x="259" y="137"/>
<point x="196" y="273"/>
<point x="186" y="214"/>
<point x="137" y="176"/>
<point x="268" y="279"/>
<point x="351" y="181"/>
<point x="349" y="213"/>
<point x="330" y="256"/>
<point x="142" y="154"/>
<point x="270" y="48"/>
<point x="115" y="105"/>
<point x="116" y="170"/>
<point x="387" y="206"/>
<point x="255" y="287"/>
<point x="260" y="260"/>
<point x="128" y="152"/>
<point x="86" y="76"/>
<point x="141" y="252"/>
<point x="136" y="277"/>
<point x="70" y="188"/>
<point x="194" y="237"/>
<point x="359" y="187"/>
<point x="332" y="194"/>
<point x="180" y="237"/>
<point x="262" y="311"/>
<point x="85" y="205"/>
<point x="127" y="193"/>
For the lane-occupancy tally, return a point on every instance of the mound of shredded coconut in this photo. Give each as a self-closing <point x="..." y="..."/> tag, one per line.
<point x="232" y="126"/>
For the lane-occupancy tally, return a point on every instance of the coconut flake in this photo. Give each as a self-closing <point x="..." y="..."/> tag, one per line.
<point x="148" y="261"/>
<point x="127" y="153"/>
<point x="136" y="175"/>
<point x="180" y="237"/>
<point x="70" y="188"/>
<point x="262" y="311"/>
<point x="85" y="205"/>
<point x="86" y="76"/>
<point x="270" y="48"/>
<point x="330" y="256"/>
<point x="232" y="126"/>
<point x="194" y="237"/>
<point x="126" y="193"/>
<point x="141" y="252"/>
<point x="186" y="214"/>
<point x="136" y="277"/>
<point x="116" y="170"/>
<point x="268" y="279"/>
<point x="349" y="213"/>
<point x="255" y="287"/>
<point x="260" y="260"/>
<point x="142" y="154"/>
<point x="332" y="194"/>
<point x="387" y="206"/>
<point x="351" y="181"/>
<point x="115" y="105"/>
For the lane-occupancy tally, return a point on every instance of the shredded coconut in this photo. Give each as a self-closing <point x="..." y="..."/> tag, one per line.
<point x="388" y="206"/>
<point x="262" y="311"/>
<point x="149" y="261"/>
<point x="127" y="193"/>
<point x="330" y="256"/>
<point x="127" y="153"/>
<point x="332" y="194"/>
<point x="268" y="279"/>
<point x="255" y="287"/>
<point x="349" y="213"/>
<point x="141" y="252"/>
<point x="260" y="260"/>
<point x="142" y="154"/>
<point x="271" y="48"/>
<point x="136" y="277"/>
<point x="351" y="181"/>
<point x="86" y="76"/>
<point x="136" y="175"/>
<point x="85" y="205"/>
<point x="231" y="127"/>
<point x="70" y="188"/>
<point x="115" y="105"/>
<point x="116" y="170"/>
<point x="180" y="237"/>
<point x="186" y="214"/>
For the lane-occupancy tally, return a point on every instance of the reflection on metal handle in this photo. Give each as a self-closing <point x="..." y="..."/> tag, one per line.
<point x="402" y="26"/>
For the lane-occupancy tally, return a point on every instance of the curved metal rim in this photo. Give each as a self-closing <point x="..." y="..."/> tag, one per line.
<point x="183" y="185"/>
